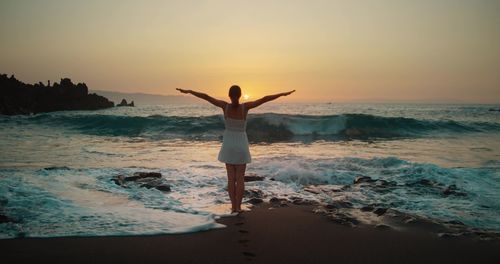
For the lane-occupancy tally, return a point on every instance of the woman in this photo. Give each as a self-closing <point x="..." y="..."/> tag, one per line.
<point x="234" y="151"/>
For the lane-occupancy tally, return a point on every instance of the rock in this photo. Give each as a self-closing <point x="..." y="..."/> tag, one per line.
<point x="455" y="222"/>
<point x="385" y="183"/>
<point x="281" y="202"/>
<point x="449" y="235"/>
<point x="119" y="180"/>
<point x="141" y="175"/>
<point x="160" y="187"/>
<point x="253" y="193"/>
<point x="339" y="205"/>
<point x="453" y="190"/>
<point x="57" y="168"/>
<point x="124" y="103"/>
<point x="301" y="201"/>
<point x="163" y="188"/>
<point x="253" y="177"/>
<point x="145" y="179"/>
<point x="363" y="179"/>
<point x="344" y="219"/>
<point x="255" y="201"/>
<point x="367" y="208"/>
<point x="276" y="200"/>
<point x="312" y="189"/>
<point x="380" y="211"/>
<point x="409" y="220"/>
<point x="18" y="98"/>
<point x="383" y="227"/>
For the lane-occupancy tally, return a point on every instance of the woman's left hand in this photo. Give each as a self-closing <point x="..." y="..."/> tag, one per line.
<point x="183" y="90"/>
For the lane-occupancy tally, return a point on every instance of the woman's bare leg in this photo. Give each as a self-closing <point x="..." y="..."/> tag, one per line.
<point x="240" y="184"/>
<point x="231" y="185"/>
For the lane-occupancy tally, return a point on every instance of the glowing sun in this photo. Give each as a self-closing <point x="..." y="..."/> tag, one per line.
<point x="246" y="97"/>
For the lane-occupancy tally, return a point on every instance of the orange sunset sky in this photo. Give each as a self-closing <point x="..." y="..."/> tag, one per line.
<point x="436" y="51"/>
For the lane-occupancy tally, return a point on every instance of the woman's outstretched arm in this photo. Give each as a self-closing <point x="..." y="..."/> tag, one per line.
<point x="266" y="99"/>
<point x="203" y="96"/>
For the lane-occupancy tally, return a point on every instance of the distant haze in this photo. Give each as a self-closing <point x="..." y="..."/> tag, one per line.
<point x="382" y="51"/>
<point x="146" y="99"/>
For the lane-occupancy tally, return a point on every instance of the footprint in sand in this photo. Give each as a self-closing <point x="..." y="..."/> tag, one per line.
<point x="243" y="231"/>
<point x="240" y="223"/>
<point x="243" y="241"/>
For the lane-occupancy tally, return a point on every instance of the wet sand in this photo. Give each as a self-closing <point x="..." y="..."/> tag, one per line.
<point x="292" y="234"/>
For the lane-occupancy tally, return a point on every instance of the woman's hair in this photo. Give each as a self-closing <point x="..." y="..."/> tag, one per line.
<point x="235" y="91"/>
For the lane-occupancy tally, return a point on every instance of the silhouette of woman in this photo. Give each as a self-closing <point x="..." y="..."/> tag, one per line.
<point x="234" y="151"/>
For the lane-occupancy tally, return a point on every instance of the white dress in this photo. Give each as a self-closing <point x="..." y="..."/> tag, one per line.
<point x="235" y="148"/>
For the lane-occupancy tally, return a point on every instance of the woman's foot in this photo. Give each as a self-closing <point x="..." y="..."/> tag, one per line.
<point x="236" y="211"/>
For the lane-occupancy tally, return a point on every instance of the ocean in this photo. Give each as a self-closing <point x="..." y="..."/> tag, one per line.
<point x="56" y="169"/>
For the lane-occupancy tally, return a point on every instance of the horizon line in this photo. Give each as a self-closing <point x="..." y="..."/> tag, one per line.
<point x="368" y="100"/>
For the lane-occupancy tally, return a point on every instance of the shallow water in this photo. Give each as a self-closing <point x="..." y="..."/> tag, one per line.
<point x="56" y="168"/>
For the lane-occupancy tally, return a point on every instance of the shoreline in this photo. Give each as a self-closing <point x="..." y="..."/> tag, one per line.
<point x="290" y="234"/>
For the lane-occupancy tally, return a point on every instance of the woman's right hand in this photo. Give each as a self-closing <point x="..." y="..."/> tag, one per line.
<point x="183" y="90"/>
<point x="288" y="93"/>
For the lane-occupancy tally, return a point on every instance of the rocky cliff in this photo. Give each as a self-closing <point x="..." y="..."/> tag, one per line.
<point x="18" y="98"/>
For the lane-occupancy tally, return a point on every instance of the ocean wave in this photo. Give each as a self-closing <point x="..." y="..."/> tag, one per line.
<point x="268" y="127"/>
<point x="468" y="195"/>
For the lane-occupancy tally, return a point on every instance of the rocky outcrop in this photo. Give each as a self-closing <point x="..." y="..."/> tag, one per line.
<point x="18" y="98"/>
<point x="253" y="177"/>
<point x="124" y="103"/>
<point x="143" y="179"/>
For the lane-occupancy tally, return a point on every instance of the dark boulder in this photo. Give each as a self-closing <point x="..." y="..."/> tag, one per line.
<point x="254" y="193"/>
<point x="380" y="211"/>
<point x="255" y="201"/>
<point x="280" y="202"/>
<point x="253" y="177"/>
<point x="159" y="186"/>
<point x="147" y="180"/>
<point x="141" y="175"/>
<point x="363" y="179"/>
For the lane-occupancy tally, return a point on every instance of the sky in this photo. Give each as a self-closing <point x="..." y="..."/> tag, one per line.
<point x="339" y="51"/>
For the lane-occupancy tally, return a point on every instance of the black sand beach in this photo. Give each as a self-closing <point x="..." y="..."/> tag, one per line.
<point x="292" y="234"/>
